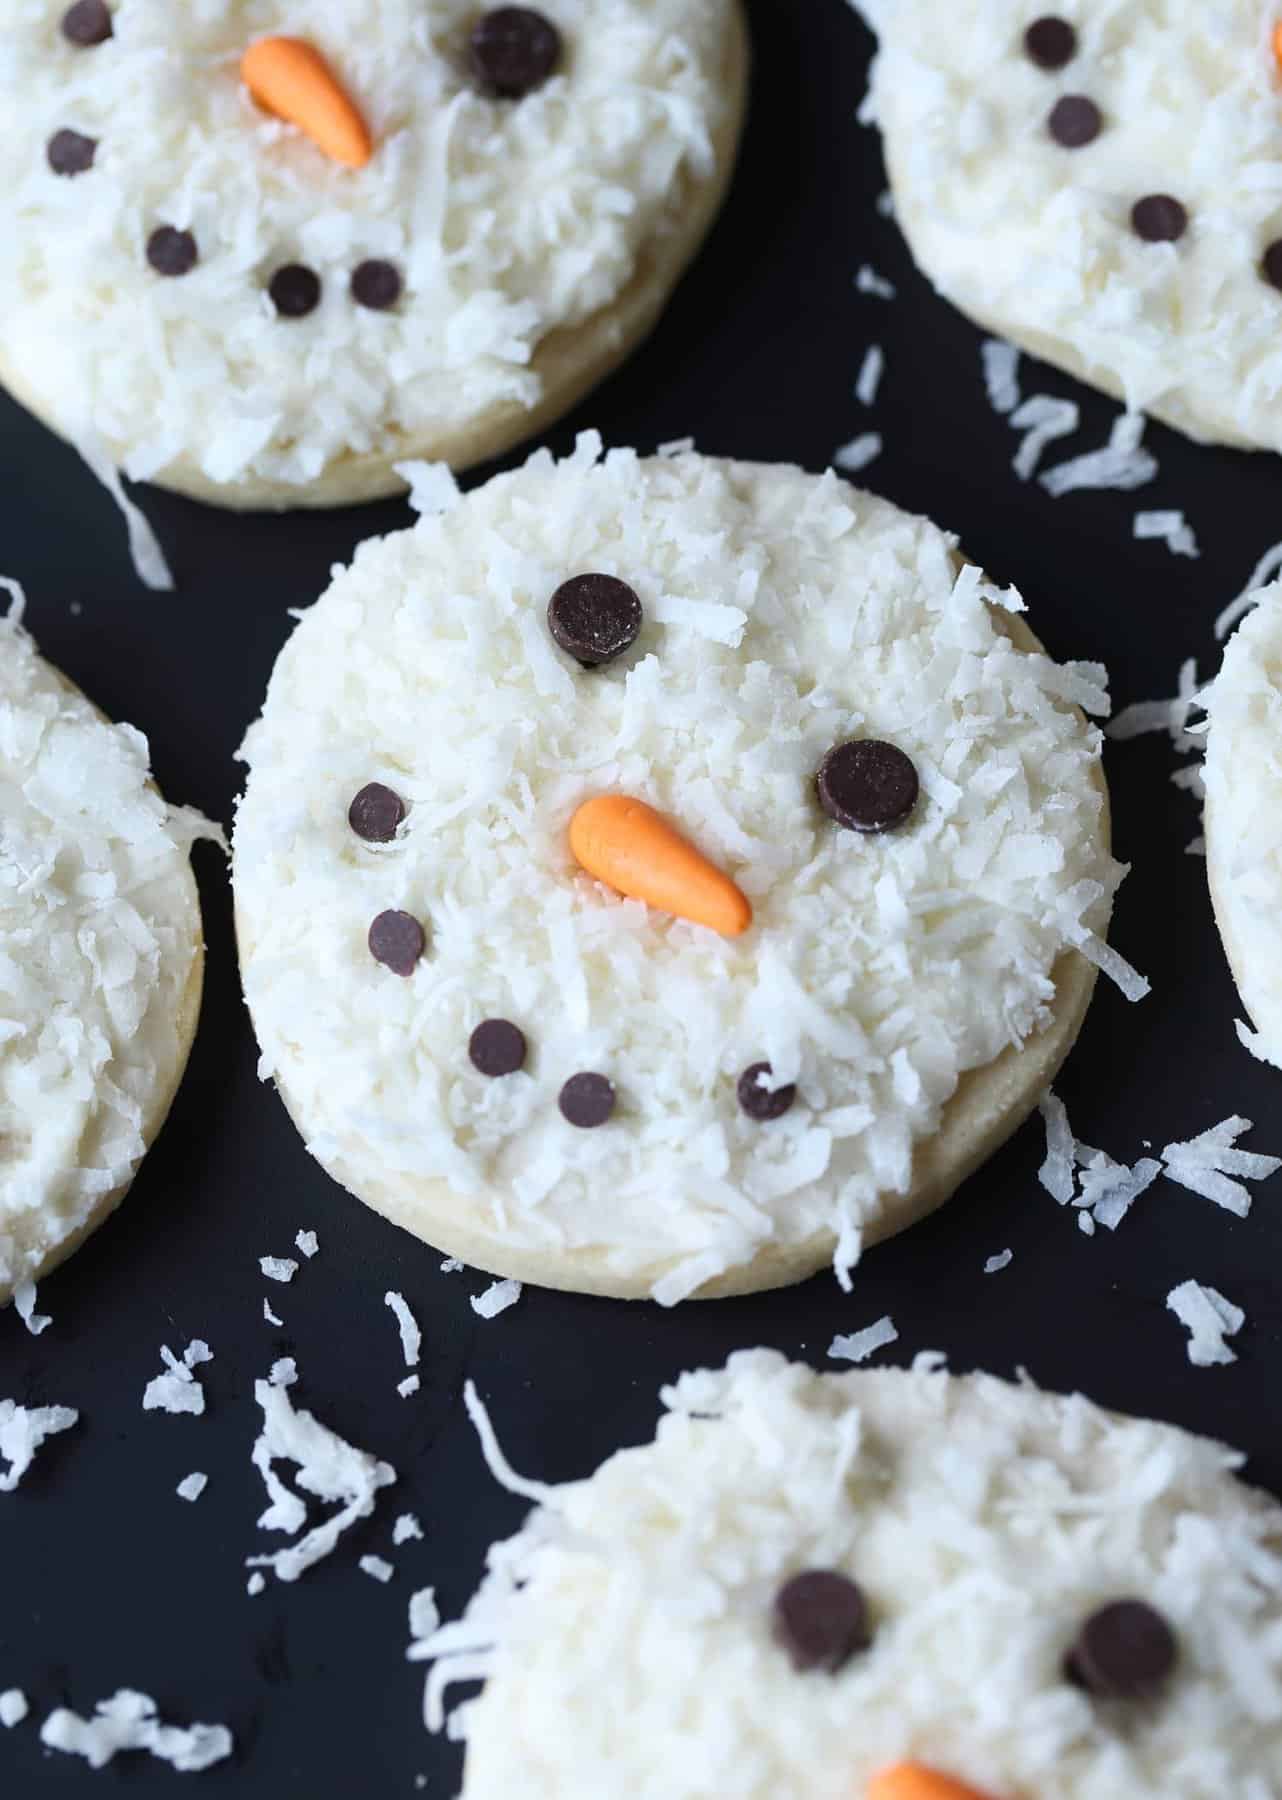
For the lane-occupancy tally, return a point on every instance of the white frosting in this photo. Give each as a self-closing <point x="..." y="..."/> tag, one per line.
<point x="507" y="219"/>
<point x="1243" y="775"/>
<point x="99" y="928"/>
<point x="627" y="1630"/>
<point x="1036" y="241"/>
<point x="784" y="613"/>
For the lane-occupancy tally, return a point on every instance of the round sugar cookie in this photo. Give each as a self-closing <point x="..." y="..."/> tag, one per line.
<point x="1243" y="774"/>
<point x="1102" y="183"/>
<point x="101" y="958"/>
<point x="857" y="820"/>
<point x="209" y="294"/>
<point x="833" y="1587"/>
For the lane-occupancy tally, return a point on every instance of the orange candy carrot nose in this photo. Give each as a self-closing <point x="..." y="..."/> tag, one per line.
<point x="289" y="78"/>
<point x="1277" y="43"/>
<point x="629" y="846"/>
<point x="913" y="1781"/>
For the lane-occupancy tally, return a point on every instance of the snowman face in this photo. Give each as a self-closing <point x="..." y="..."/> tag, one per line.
<point x="410" y="868"/>
<point x="255" y="250"/>
<point x="1101" y="183"/>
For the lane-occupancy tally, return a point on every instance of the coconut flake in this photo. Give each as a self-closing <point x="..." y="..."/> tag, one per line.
<point x="1123" y="465"/>
<point x="405" y="1528"/>
<point x="1261" y="575"/>
<point x="858" y="1346"/>
<point x="24" y="1304"/>
<point x="192" y="1486"/>
<point x="307" y="1242"/>
<point x="1056" y="1173"/>
<point x="1209" y="1318"/>
<point x="871" y="371"/>
<point x="868" y="281"/>
<point x="432" y="487"/>
<point x="411" y="1335"/>
<point x="409" y="1386"/>
<point x="1170" y="528"/>
<point x="858" y="453"/>
<point x="256" y="1583"/>
<point x="1000" y="362"/>
<point x="496" y="1299"/>
<point x="278" y="1268"/>
<point x="269" y="1315"/>
<point x="13" y="1708"/>
<point x="284" y="1372"/>
<point x="378" y="1567"/>
<point x="129" y="1721"/>
<point x="1002" y="1260"/>
<point x="495" y="1461"/>
<point x="1043" y="419"/>
<point x="144" y="546"/>
<point x="22" y="1431"/>
<point x="178" y="1391"/>
<point x="451" y="1266"/>
<point x="1207" y="1164"/>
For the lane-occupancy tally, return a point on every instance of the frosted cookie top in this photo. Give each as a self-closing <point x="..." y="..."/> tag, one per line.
<point x="154" y="220"/>
<point x="404" y="866"/>
<point x="1244" y="814"/>
<point x="99" y="937"/>
<point x="1101" y="180"/>
<point x="646" y="1632"/>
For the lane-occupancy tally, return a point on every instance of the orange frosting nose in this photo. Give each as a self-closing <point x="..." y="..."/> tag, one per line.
<point x="913" y="1781"/>
<point x="633" y="849"/>
<point x="289" y="78"/>
<point x="1277" y="42"/>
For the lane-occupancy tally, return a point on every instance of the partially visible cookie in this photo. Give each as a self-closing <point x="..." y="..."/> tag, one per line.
<point x="1098" y="180"/>
<point x="881" y="1585"/>
<point x="1244" y="816"/>
<point x="262" y="255"/>
<point x="100" y="960"/>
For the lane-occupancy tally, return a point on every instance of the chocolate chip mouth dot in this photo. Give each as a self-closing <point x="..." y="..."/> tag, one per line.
<point x="172" y="252"/>
<point x="1124" y="1651"/>
<point x="1159" y="219"/>
<point x="1271" y="264"/>
<point x="86" y="23"/>
<point x="295" y="291"/>
<point x="396" y="940"/>
<point x="587" y="1100"/>
<point x="497" y="1047"/>
<point x="1051" y="42"/>
<point x="759" y="1101"/>
<point x="513" y="50"/>
<point x="375" y="813"/>
<point x="821" y="1620"/>
<point x="376" y="284"/>
<point x="867" y="785"/>
<point x="70" y="152"/>
<point x="594" y="618"/>
<point x="1075" y="121"/>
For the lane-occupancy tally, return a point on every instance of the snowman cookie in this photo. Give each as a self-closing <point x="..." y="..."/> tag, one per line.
<point x="666" y="876"/>
<point x="100" y="960"/>
<point x="261" y="255"/>
<point x="881" y="1585"/>
<point x="1102" y="183"/>
<point x="1243" y="775"/>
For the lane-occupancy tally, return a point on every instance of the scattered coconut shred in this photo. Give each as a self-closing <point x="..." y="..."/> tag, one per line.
<point x="13" y="1708"/>
<point x="24" y="1304"/>
<point x="308" y="1243"/>
<point x="192" y="1486"/>
<point x="496" y="1299"/>
<point x="329" y="1468"/>
<point x="858" y="1346"/>
<point x="178" y="1391"/>
<point x="1173" y="716"/>
<point x="129" y="1721"/>
<point x="858" y="453"/>
<point x="278" y="1268"/>
<point x="22" y="1431"/>
<point x="1122" y="464"/>
<point x="1170" y="528"/>
<point x="1209" y="1319"/>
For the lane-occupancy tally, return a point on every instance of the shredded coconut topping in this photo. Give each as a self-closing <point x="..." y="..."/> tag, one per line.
<point x="24" y="1304"/>
<point x="858" y="1346"/>
<point x="129" y="1721"/>
<point x="407" y="1324"/>
<point x="1171" y="528"/>
<point x="178" y="1391"/>
<point x="496" y="1299"/>
<point x="1209" y="1319"/>
<point x="278" y="1268"/>
<point x="22" y="1431"/>
<point x="192" y="1486"/>
<point x="13" y="1708"/>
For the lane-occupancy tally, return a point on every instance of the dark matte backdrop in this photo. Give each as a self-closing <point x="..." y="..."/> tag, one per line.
<point x="108" y="1579"/>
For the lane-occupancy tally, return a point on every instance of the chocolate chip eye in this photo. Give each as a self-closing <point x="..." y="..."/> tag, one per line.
<point x="594" y="618"/>
<point x="396" y="940"/>
<point x="1075" y="121"/>
<point x="1159" y="219"/>
<point x="1050" y="42"/>
<point x="513" y="50"/>
<point x="587" y="1100"/>
<point x="497" y="1047"/>
<point x="70" y="153"/>
<point x="375" y="813"/>
<point x="758" y="1099"/>
<point x="86" y="23"/>
<point x="376" y="284"/>
<point x="1271" y="264"/>
<point x="172" y="252"/>
<point x="821" y="1620"/>
<point x="1123" y="1652"/>
<point x="295" y="291"/>
<point x="867" y="785"/>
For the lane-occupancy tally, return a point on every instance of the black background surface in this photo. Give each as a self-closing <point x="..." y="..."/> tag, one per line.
<point x="107" y="1578"/>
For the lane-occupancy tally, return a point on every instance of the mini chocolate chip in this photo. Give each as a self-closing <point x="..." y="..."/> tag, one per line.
<point x="762" y="1102"/>
<point x="1123" y="1651"/>
<point x="1271" y="265"/>
<point x="867" y="785"/>
<point x="497" y="1047"/>
<point x="375" y="813"/>
<point x="295" y="290"/>
<point x="1050" y="42"/>
<point x="70" y="153"/>
<point x="86" y="23"/>
<point x="594" y="618"/>
<point x="396" y="940"/>
<point x="587" y="1100"/>
<point x="1159" y="219"/>
<point x="513" y="50"/>
<point x="171" y="252"/>
<point x="821" y="1619"/>
<point x="1075" y="121"/>
<point x="376" y="284"/>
